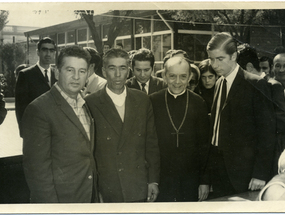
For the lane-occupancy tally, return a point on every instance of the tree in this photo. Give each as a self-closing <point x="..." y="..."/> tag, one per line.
<point x="236" y="22"/>
<point x="3" y="18"/>
<point x="117" y="22"/>
<point x="12" y="55"/>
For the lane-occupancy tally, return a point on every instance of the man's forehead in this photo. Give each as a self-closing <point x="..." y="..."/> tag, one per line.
<point x="47" y="45"/>
<point x="117" y="60"/>
<point x="280" y="58"/>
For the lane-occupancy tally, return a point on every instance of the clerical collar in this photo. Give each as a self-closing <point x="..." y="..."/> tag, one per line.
<point x="118" y="100"/>
<point x="176" y="95"/>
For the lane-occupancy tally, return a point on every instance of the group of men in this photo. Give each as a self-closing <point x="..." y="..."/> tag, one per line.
<point x="144" y="139"/>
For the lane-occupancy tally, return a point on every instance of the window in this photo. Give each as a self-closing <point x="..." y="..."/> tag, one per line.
<point x="70" y="37"/>
<point x="142" y="26"/>
<point x="156" y="47"/>
<point x="82" y="35"/>
<point x="61" y="38"/>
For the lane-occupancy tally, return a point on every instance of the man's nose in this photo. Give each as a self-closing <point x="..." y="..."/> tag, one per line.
<point x="117" y="72"/>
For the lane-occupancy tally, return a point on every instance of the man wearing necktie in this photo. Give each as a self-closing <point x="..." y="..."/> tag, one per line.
<point x="142" y="65"/>
<point x="35" y="80"/>
<point x="242" y="129"/>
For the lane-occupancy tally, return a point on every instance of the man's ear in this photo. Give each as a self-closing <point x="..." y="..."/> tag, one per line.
<point x="234" y="56"/>
<point x="103" y="72"/>
<point x="56" y="73"/>
<point x="249" y="67"/>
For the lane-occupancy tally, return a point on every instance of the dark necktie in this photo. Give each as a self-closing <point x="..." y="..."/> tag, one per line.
<point x="224" y="94"/>
<point x="46" y="77"/>
<point x="143" y="88"/>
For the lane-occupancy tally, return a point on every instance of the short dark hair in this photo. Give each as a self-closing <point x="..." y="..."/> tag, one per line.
<point x="45" y="40"/>
<point x="95" y="57"/>
<point x="205" y="66"/>
<point x="223" y="40"/>
<point x="143" y="55"/>
<point x="73" y="51"/>
<point x="120" y="44"/>
<point x="265" y="58"/>
<point x="248" y="55"/>
<point x="115" y="53"/>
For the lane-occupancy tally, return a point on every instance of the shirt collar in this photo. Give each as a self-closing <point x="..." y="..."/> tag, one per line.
<point x="146" y="83"/>
<point x="176" y="95"/>
<point x="78" y="102"/>
<point x="118" y="100"/>
<point x="231" y="77"/>
<point x="41" y="68"/>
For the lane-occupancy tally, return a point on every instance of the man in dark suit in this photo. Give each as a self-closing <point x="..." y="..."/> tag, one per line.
<point x="242" y="123"/>
<point x="58" y="137"/>
<point x="35" y="80"/>
<point x="127" y="152"/>
<point x="3" y="110"/>
<point x="142" y="66"/>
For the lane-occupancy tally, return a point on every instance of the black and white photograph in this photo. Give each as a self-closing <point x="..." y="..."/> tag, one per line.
<point x="142" y="107"/>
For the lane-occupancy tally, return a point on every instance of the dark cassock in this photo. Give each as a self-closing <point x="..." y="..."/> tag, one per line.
<point x="182" y="125"/>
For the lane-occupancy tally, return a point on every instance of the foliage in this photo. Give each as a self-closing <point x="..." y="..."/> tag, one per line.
<point x="3" y="18"/>
<point x="12" y="55"/>
<point x="236" y="22"/>
<point x="117" y="22"/>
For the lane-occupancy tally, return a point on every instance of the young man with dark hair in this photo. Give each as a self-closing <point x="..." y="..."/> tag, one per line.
<point x="242" y="131"/>
<point x="142" y="67"/>
<point x="127" y="152"/>
<point x="94" y="82"/>
<point x="265" y="64"/>
<point x="35" y="80"/>
<point x="58" y="137"/>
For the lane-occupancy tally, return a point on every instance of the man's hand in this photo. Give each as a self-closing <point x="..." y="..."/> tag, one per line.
<point x="256" y="184"/>
<point x="203" y="192"/>
<point x="152" y="192"/>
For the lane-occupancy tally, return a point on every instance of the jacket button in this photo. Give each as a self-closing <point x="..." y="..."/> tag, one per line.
<point x="108" y="138"/>
<point x="90" y="177"/>
<point x="139" y="134"/>
<point x="120" y="170"/>
<point x="119" y="153"/>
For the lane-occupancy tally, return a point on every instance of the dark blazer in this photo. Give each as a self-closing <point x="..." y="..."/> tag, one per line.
<point x="30" y="85"/>
<point x="3" y="111"/>
<point x="247" y="130"/>
<point x="155" y="84"/>
<point x="127" y="154"/>
<point x="58" y="156"/>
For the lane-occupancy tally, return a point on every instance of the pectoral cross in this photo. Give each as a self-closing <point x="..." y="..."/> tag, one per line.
<point x="177" y="137"/>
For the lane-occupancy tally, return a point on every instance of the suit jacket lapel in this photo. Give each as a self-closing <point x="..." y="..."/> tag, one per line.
<point x="235" y="87"/>
<point x="67" y="110"/>
<point x="130" y="116"/>
<point x="53" y="79"/>
<point x="41" y="76"/>
<point x="109" y="111"/>
<point x="152" y="86"/>
<point x="135" y="84"/>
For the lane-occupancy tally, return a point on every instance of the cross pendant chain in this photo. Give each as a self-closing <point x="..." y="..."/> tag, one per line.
<point x="171" y="121"/>
<point x="177" y="137"/>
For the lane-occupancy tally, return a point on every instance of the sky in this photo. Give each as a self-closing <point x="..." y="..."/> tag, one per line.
<point x="39" y="14"/>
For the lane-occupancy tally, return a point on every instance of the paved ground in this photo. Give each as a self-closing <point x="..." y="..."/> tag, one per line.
<point x="10" y="141"/>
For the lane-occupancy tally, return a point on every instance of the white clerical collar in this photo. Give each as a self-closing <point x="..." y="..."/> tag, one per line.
<point x="118" y="100"/>
<point x="176" y="95"/>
